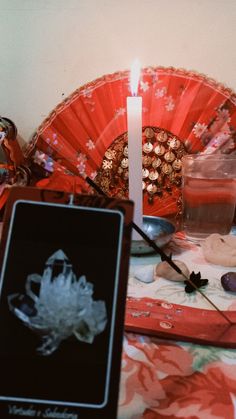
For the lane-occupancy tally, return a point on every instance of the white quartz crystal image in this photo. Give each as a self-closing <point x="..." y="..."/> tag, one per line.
<point x="62" y="307"/>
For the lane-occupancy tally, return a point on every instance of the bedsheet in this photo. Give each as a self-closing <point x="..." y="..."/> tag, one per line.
<point x="162" y="378"/>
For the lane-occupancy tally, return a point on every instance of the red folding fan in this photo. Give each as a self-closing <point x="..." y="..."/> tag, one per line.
<point x="183" y="112"/>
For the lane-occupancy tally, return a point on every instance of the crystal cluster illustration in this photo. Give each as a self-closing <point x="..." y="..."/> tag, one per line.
<point x="57" y="305"/>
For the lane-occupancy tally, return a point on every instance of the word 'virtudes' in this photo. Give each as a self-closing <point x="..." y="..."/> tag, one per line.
<point x="32" y="412"/>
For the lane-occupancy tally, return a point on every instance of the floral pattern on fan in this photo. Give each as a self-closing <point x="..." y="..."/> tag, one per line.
<point x="74" y="138"/>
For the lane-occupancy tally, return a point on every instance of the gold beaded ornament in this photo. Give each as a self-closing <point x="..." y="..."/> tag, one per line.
<point x="162" y="153"/>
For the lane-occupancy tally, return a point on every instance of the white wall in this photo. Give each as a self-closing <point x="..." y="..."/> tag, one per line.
<point x="48" y="48"/>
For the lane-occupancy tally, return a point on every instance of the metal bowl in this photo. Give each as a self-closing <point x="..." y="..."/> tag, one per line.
<point x="158" y="229"/>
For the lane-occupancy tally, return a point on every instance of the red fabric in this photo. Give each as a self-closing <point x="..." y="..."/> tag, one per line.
<point x="62" y="182"/>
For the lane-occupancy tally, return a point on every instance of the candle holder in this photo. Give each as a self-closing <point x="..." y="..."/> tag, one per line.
<point x="158" y="229"/>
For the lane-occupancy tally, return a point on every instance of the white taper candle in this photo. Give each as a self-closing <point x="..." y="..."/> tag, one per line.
<point x="134" y="125"/>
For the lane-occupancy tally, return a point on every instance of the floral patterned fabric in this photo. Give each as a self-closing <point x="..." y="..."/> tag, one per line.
<point x="162" y="379"/>
<point x="171" y="379"/>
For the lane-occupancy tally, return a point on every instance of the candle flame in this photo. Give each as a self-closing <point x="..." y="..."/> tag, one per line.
<point x="134" y="77"/>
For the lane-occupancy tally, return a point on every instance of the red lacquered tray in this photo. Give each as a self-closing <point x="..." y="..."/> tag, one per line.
<point x="172" y="321"/>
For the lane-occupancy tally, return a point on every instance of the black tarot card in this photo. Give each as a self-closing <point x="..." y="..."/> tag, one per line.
<point x="62" y="310"/>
